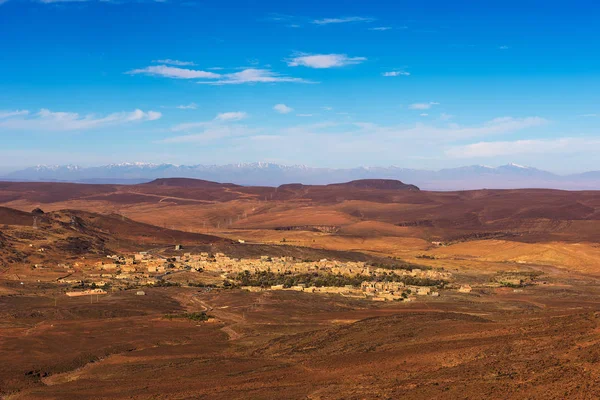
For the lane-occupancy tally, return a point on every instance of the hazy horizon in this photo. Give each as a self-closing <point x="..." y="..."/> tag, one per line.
<point x="8" y="170"/>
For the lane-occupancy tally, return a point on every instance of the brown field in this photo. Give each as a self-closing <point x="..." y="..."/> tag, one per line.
<point x="540" y="341"/>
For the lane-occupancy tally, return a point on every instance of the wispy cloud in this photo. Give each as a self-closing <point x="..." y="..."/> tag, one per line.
<point x="304" y="115"/>
<point x="212" y="132"/>
<point x="381" y="28"/>
<point x="3" y="1"/>
<point x="289" y="21"/>
<point x="232" y="116"/>
<point x="280" y="17"/>
<point x="174" y="72"/>
<point x="396" y="73"/>
<point x="248" y="75"/>
<point x="503" y="47"/>
<point x="453" y="131"/>
<point x="282" y="109"/>
<point x="222" y="126"/>
<point x="178" y="63"/>
<point x="253" y="75"/>
<point x="589" y="115"/>
<point x="191" y="106"/>
<point x="61" y="1"/>
<point x="534" y="146"/>
<point x="323" y="139"/>
<point x="342" y="20"/>
<point x="446" y="117"/>
<point x="46" y="120"/>
<point x="220" y="118"/>
<point x="423" y="106"/>
<point x="323" y="60"/>
<point x="8" y="113"/>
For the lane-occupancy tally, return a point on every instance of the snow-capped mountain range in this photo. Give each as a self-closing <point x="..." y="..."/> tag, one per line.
<point x="270" y="174"/>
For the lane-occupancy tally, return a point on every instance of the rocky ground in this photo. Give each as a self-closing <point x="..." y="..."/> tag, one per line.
<point x="541" y="342"/>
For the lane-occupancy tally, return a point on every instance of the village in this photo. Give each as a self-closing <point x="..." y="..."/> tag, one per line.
<point x="150" y="269"/>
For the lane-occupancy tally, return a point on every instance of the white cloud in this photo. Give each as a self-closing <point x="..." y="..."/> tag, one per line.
<point x="46" y="120"/>
<point x="282" y="109"/>
<point x="446" y="117"/>
<point x="304" y="115"/>
<point x="213" y="132"/>
<point x="248" y="75"/>
<point x="174" y="62"/>
<point x="396" y="73"/>
<point x="8" y="114"/>
<point x="535" y="146"/>
<point x="453" y="131"/>
<point x="381" y="28"/>
<point x="381" y="144"/>
<point x="420" y="132"/>
<point x="323" y="60"/>
<point x="342" y="20"/>
<point x="424" y="115"/>
<point x="422" y="106"/>
<point x="327" y="108"/>
<point x="277" y="17"/>
<point x="503" y="47"/>
<point x="191" y="106"/>
<point x="252" y="75"/>
<point x="187" y="126"/>
<point x="217" y="121"/>
<point x="232" y="116"/>
<point x="174" y="72"/>
<point x="311" y="142"/>
<point x="221" y="127"/>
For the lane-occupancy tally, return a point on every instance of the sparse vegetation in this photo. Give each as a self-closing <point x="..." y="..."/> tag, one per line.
<point x="201" y="285"/>
<point x="517" y="279"/>
<point x="163" y="283"/>
<point x="399" y="265"/>
<point x="268" y="278"/>
<point x="194" y="316"/>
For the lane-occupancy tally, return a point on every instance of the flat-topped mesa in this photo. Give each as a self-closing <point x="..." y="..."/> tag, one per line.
<point x="292" y="186"/>
<point x="187" y="182"/>
<point x="377" y="184"/>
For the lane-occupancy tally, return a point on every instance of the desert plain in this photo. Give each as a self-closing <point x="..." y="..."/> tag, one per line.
<point x="373" y="289"/>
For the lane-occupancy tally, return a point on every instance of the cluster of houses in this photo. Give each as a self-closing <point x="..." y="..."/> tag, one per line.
<point x="146" y="269"/>
<point x="395" y="291"/>
<point x="376" y="291"/>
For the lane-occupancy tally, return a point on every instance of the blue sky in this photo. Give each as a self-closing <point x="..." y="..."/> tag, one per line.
<point x="338" y="84"/>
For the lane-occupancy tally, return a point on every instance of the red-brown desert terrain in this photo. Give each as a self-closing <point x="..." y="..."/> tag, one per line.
<point x="496" y="292"/>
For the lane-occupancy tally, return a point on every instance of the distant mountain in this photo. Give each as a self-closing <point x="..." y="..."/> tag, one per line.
<point x="270" y="174"/>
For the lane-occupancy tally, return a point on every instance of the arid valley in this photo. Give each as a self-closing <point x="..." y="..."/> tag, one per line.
<point x="185" y="289"/>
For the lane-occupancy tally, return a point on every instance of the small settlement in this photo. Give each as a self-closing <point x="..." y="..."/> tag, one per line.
<point x="146" y="269"/>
